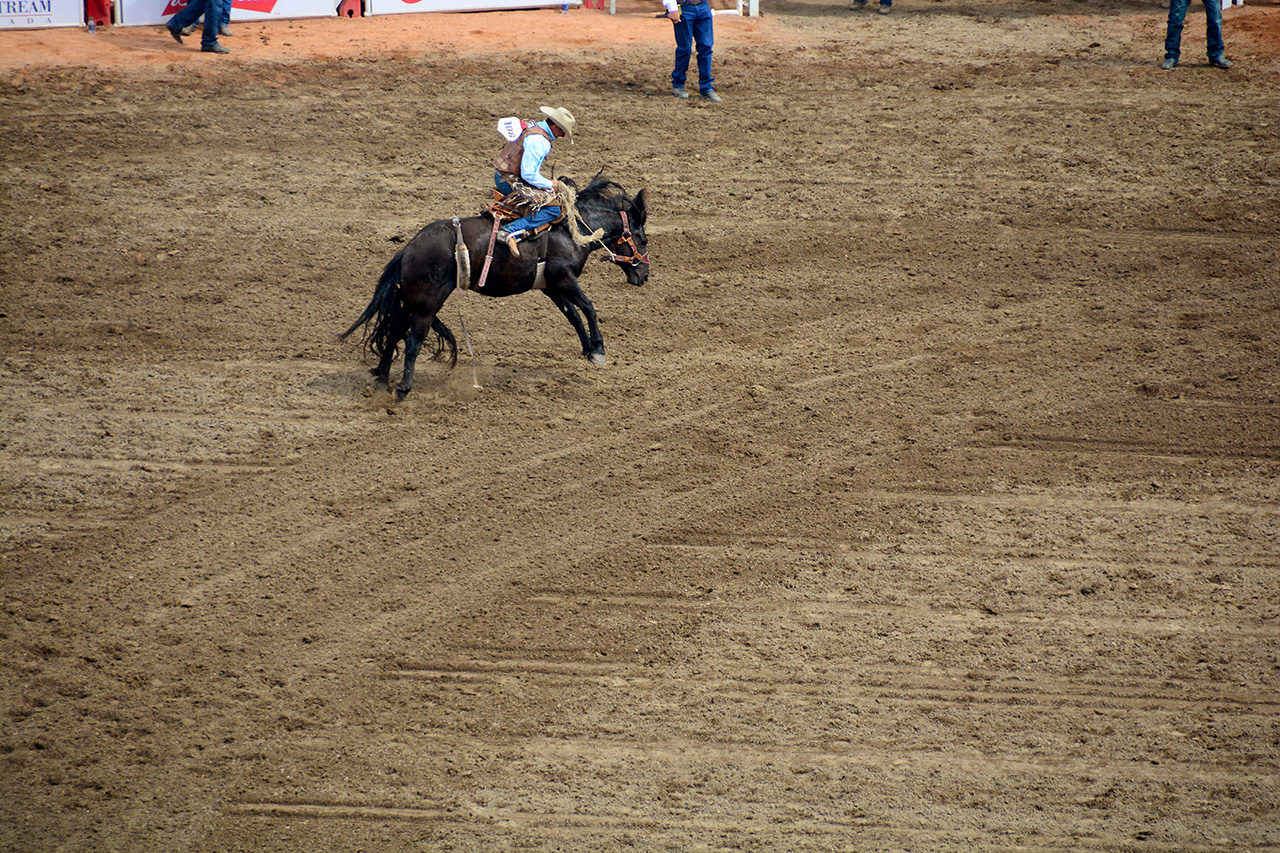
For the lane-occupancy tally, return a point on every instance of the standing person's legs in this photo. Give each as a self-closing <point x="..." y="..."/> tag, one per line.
<point x="186" y="16"/>
<point x="1173" y="35"/>
<point x="1213" y="28"/>
<point x="684" y="49"/>
<point x="213" y="13"/>
<point x="704" y="35"/>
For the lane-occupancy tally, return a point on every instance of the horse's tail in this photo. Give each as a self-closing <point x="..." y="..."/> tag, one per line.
<point x="382" y="310"/>
<point x="444" y="338"/>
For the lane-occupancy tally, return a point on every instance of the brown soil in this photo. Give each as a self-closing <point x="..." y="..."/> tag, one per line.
<point x="929" y="501"/>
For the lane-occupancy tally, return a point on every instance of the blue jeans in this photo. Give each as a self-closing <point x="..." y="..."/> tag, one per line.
<point x="216" y="11"/>
<point x="1213" y="28"/>
<point x="541" y="216"/>
<point x="694" y="25"/>
<point x="226" y="15"/>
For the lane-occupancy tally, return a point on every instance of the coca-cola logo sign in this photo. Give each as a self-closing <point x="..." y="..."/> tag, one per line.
<point x="172" y="7"/>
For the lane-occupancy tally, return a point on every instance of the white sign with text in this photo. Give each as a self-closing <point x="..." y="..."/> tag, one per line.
<point x="16" y="14"/>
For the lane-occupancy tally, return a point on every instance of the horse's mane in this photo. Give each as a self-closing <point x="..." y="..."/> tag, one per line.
<point x="600" y="194"/>
<point x="604" y="193"/>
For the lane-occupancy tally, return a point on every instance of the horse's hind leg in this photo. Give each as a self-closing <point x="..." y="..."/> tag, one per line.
<point x="382" y="373"/>
<point x="412" y="346"/>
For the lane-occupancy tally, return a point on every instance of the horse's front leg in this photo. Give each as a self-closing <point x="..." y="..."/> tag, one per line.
<point x="569" y="298"/>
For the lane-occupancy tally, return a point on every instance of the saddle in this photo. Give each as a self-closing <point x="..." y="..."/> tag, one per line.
<point x="502" y="208"/>
<point x="522" y="201"/>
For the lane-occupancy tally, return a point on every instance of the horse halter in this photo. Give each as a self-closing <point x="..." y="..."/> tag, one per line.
<point x="635" y="258"/>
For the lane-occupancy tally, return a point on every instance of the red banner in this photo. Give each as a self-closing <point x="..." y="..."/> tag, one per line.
<point x="264" y="6"/>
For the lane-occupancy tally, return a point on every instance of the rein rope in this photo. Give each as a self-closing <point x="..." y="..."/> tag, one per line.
<point x="463" y="258"/>
<point x="568" y="198"/>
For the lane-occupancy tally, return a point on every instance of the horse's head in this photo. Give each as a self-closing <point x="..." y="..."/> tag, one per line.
<point x="604" y="204"/>
<point x="631" y="250"/>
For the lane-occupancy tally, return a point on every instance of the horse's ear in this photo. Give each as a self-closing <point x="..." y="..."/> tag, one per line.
<point x="639" y="207"/>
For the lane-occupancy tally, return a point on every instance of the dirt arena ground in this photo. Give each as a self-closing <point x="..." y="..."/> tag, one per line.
<point x="929" y="500"/>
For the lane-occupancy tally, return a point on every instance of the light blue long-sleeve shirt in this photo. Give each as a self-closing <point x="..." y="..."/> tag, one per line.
<point x="536" y="149"/>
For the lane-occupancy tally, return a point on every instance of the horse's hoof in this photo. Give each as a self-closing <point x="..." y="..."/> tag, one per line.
<point x="401" y="393"/>
<point x="598" y="358"/>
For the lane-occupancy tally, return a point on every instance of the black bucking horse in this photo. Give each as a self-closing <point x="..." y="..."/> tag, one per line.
<point x="417" y="281"/>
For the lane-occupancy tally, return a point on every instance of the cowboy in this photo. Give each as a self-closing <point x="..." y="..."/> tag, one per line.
<point x="518" y="168"/>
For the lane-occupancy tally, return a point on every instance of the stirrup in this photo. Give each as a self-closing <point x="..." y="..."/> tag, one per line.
<point x="511" y="239"/>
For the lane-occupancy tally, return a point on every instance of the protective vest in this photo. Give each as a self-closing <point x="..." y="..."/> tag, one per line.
<point x="507" y="163"/>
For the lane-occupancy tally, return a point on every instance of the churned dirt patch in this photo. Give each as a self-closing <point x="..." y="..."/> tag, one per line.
<point x="928" y="501"/>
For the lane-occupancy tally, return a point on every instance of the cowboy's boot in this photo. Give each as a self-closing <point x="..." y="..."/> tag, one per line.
<point x="511" y="238"/>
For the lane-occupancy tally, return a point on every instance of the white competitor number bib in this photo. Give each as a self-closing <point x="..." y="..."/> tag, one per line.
<point x="510" y="128"/>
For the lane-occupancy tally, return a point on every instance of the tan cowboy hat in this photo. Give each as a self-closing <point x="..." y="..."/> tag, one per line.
<point x="562" y="117"/>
